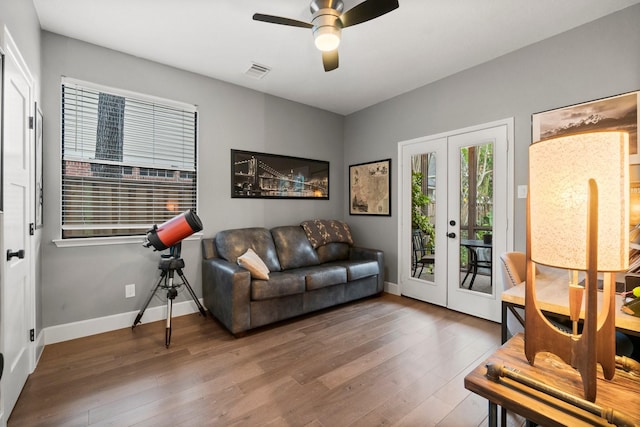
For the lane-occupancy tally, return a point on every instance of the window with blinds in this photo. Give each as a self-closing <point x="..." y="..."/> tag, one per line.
<point x="128" y="161"/>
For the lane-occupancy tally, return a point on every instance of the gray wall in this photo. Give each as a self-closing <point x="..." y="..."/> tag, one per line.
<point x="596" y="60"/>
<point x="88" y="282"/>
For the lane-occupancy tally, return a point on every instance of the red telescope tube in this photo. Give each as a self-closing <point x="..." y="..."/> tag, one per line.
<point x="167" y="234"/>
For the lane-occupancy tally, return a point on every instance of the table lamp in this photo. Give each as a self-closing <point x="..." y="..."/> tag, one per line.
<point x="578" y="219"/>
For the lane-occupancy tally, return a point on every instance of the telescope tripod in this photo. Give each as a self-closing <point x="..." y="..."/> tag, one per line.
<point x="170" y="264"/>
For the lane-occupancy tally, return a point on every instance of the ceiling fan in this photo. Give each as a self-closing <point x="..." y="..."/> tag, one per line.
<point x="328" y="21"/>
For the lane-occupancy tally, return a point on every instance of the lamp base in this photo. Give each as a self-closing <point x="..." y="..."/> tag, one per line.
<point x="596" y="343"/>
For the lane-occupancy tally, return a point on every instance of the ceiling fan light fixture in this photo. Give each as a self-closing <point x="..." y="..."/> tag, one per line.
<point x="327" y="38"/>
<point x="326" y="29"/>
<point x="328" y="21"/>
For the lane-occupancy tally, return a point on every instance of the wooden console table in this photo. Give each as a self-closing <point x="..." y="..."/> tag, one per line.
<point x="552" y="294"/>
<point x="620" y="394"/>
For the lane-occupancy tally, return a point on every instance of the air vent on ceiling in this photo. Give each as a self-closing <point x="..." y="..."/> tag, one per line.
<point x="257" y="71"/>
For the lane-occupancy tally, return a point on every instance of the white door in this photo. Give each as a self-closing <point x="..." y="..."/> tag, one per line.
<point x="477" y="206"/>
<point x="17" y="311"/>
<point x="467" y="174"/>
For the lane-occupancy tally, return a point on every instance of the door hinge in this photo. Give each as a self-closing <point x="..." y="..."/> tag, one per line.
<point x="32" y="229"/>
<point x="32" y="335"/>
<point x="31" y="124"/>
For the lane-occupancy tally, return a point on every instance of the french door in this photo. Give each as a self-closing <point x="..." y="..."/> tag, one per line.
<point x="466" y="176"/>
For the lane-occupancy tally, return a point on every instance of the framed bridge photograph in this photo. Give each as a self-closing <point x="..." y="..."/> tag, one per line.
<point x="272" y="176"/>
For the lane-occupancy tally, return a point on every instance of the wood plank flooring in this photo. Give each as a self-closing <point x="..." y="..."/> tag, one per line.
<point x="384" y="361"/>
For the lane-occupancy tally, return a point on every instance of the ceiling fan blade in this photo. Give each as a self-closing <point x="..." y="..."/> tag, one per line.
<point x="366" y="11"/>
<point x="280" y="20"/>
<point x="330" y="60"/>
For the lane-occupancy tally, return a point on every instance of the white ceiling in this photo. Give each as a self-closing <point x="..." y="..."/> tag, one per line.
<point x="418" y="43"/>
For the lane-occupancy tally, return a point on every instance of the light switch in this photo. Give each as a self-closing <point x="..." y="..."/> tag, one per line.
<point x="522" y="191"/>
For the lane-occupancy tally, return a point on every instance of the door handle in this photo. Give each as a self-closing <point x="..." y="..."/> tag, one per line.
<point x="451" y="235"/>
<point x="19" y="254"/>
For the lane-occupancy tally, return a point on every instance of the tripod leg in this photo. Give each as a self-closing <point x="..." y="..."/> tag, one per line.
<point x="172" y="292"/>
<point x="193" y="294"/>
<point x="167" y="333"/>
<point x="146" y="304"/>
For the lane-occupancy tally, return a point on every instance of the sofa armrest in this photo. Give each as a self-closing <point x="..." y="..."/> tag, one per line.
<point x="370" y="254"/>
<point x="226" y="289"/>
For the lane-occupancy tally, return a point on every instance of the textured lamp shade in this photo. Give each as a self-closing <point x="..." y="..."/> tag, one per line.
<point x="559" y="174"/>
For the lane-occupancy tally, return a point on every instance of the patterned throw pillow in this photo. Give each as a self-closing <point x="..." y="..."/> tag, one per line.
<point x="252" y="262"/>
<point x="322" y="231"/>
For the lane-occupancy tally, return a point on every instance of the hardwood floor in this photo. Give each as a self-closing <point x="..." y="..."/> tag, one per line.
<point x="388" y="361"/>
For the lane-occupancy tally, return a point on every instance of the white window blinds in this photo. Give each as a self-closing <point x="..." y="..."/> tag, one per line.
<point x="128" y="161"/>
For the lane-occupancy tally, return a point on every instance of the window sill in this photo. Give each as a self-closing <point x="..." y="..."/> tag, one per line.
<point x="104" y="241"/>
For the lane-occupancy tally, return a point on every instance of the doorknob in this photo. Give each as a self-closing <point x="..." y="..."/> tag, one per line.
<point x="19" y="254"/>
<point x="451" y="235"/>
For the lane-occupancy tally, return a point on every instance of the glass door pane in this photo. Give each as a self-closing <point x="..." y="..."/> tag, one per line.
<point x="476" y="217"/>
<point x="423" y="215"/>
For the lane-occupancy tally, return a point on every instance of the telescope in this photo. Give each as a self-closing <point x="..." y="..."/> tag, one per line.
<point x="169" y="235"/>
<point x="175" y="230"/>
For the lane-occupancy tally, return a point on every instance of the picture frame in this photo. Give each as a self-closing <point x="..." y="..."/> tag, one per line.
<point x="257" y="175"/>
<point x="38" y="190"/>
<point x="615" y="113"/>
<point x="619" y="113"/>
<point x="370" y="188"/>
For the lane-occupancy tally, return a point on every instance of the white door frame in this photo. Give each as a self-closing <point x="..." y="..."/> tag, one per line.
<point x="404" y="217"/>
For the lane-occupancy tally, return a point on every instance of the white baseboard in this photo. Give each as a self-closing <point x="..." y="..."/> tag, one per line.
<point x="85" y="328"/>
<point x="38" y="348"/>
<point x="392" y="288"/>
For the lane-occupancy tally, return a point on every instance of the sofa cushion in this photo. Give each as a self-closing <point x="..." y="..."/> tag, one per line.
<point x="359" y="269"/>
<point x="293" y="248"/>
<point x="325" y="275"/>
<point x="278" y="285"/>
<point x="252" y="262"/>
<point x="230" y="244"/>
<point x="333" y="252"/>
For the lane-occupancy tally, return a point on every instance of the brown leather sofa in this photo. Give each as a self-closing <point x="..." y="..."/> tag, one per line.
<point x="303" y="277"/>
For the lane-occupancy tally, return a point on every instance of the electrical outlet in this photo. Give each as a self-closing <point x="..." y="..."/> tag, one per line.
<point x="130" y="290"/>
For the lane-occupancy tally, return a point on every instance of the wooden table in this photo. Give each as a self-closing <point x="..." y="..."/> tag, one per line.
<point x="622" y="393"/>
<point x="552" y="294"/>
